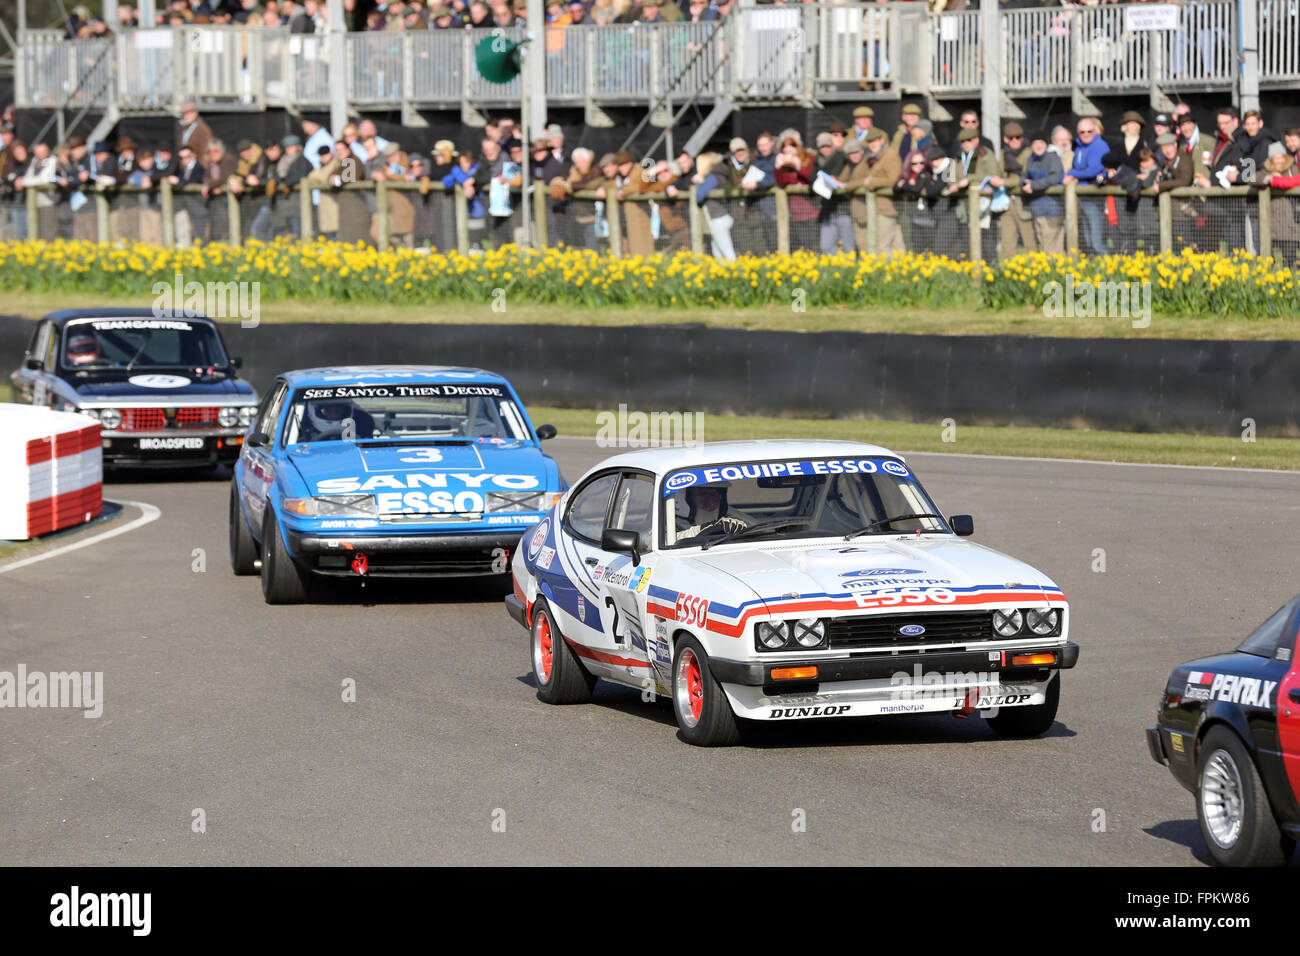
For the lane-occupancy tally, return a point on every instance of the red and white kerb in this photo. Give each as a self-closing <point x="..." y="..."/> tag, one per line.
<point x="51" y="471"/>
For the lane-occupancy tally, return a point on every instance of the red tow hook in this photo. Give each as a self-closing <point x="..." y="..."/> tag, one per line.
<point x="968" y="705"/>
<point x="360" y="564"/>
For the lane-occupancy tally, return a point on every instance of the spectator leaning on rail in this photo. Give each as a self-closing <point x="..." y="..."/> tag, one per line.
<point x="969" y="120"/>
<point x="1198" y="147"/>
<point x="193" y="131"/>
<point x="188" y="206"/>
<point x="1042" y="171"/>
<point x="1017" y="221"/>
<point x="855" y="179"/>
<point x="14" y="222"/>
<point x="1132" y="140"/>
<point x="1176" y="172"/>
<point x="1281" y="172"/>
<point x="710" y="176"/>
<point x="1062" y="144"/>
<point x="903" y="140"/>
<point x="43" y="169"/>
<point x="978" y="167"/>
<point x="917" y="190"/>
<point x="886" y="170"/>
<point x="764" y="160"/>
<point x="795" y="166"/>
<point x="1087" y="170"/>
<point x="835" y="226"/>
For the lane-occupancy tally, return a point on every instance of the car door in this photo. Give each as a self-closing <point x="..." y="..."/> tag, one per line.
<point x="30" y="383"/>
<point x="258" y="472"/>
<point x="624" y="584"/>
<point x="1288" y="702"/>
<point x="573" y="572"/>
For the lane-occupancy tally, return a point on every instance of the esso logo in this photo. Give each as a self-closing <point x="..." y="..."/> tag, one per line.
<point x="895" y="468"/>
<point x="539" y="538"/>
<point x="692" y="610"/>
<point x="159" y="381"/>
<point x="683" y="479"/>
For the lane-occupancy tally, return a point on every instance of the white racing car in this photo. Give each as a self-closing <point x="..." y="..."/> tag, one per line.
<point x="778" y="580"/>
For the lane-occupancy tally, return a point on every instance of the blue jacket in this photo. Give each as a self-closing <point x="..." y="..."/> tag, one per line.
<point x="1044" y="171"/>
<point x="458" y="177"/>
<point x="1087" y="161"/>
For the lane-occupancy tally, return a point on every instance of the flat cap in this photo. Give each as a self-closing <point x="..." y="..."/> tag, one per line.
<point x="736" y="143"/>
<point x="912" y="109"/>
<point x="967" y="132"/>
<point x="1013" y="129"/>
<point x="824" y="139"/>
<point x="1166" y="139"/>
<point x="876" y="133"/>
<point x="863" y="111"/>
<point x="854" y="147"/>
<point x="1132" y="116"/>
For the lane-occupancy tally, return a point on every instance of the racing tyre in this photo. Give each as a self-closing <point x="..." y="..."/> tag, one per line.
<point x="559" y="675"/>
<point x="1032" y="721"/>
<point x="284" y="580"/>
<point x="1232" y="806"/>
<point x="243" y="549"/>
<point x="704" y="715"/>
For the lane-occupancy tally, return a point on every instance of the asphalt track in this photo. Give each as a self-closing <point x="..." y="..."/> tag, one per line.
<point x="215" y="701"/>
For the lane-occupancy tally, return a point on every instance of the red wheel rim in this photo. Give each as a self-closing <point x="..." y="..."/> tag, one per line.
<point x="694" y="686"/>
<point x="544" y="644"/>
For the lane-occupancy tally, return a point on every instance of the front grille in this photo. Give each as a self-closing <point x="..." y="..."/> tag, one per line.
<point x="201" y="417"/>
<point x="881" y="632"/>
<point x="142" y="420"/>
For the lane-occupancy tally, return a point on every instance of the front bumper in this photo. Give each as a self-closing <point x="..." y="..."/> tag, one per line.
<point x="175" y="449"/>
<point x="1156" y="746"/>
<point x="407" y="555"/>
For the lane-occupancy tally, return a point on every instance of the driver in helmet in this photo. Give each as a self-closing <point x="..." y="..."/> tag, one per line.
<point x="83" y="349"/>
<point x="706" y="513"/>
<point x="328" y="420"/>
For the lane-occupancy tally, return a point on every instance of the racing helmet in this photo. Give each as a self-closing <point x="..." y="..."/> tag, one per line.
<point x="327" y="417"/>
<point x="693" y="493"/>
<point x="83" y="348"/>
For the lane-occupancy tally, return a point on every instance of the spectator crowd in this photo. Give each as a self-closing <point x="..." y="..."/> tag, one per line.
<point x="921" y="187"/>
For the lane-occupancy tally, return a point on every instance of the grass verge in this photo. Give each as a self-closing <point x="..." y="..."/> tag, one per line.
<point x="1159" y="449"/>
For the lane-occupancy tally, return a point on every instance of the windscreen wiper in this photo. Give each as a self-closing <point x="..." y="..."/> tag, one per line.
<point x="890" y="520"/>
<point x="754" y="529"/>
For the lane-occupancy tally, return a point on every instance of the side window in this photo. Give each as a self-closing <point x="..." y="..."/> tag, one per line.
<point x="590" y="507"/>
<point x="51" y="356"/>
<point x="634" y="507"/>
<point x="271" y="409"/>
<point x="1270" y="635"/>
<point x="40" y="343"/>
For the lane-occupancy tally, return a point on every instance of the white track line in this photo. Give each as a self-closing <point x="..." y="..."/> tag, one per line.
<point x="150" y="513"/>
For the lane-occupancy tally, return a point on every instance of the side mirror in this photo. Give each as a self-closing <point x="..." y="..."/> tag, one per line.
<point x="34" y="364"/>
<point x="257" y="439"/>
<point x="236" y="362"/>
<point x="626" y="542"/>
<point x="545" y="431"/>
<point x="962" y="525"/>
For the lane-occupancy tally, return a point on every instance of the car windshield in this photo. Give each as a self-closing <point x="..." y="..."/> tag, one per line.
<point x="482" y="411"/>
<point x="769" y="500"/>
<point x="1270" y="635"/>
<point x="132" y="343"/>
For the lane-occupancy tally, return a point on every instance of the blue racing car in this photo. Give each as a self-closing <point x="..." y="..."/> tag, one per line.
<point x="390" y="471"/>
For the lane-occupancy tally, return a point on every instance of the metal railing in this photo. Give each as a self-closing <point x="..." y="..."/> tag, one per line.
<point x="1093" y="220"/>
<point x="791" y="54"/>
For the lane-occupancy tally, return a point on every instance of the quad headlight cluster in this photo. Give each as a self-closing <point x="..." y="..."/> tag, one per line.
<point x="110" y="418"/>
<point x="237" y="416"/>
<point x="498" y="501"/>
<point x="1036" y="621"/>
<point x="804" y="634"/>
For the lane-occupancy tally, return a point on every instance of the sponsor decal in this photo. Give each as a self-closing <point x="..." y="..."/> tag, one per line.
<point x="891" y="597"/>
<point x="415" y="479"/>
<point x="618" y="579"/>
<point x="582" y="610"/>
<point x="1176" y="742"/>
<point x="640" y="580"/>
<point x="1246" y="691"/>
<point x="349" y="523"/>
<point x="1198" y="685"/>
<point x="834" y="710"/>
<point x="538" y="539"/>
<point x="515" y="519"/>
<point x="597" y="572"/>
<point x="168" y="324"/>
<point x="911" y="630"/>
<point x="783" y="469"/>
<point x="879" y="572"/>
<point x="546" y="557"/>
<point x="691" y="610"/>
<point x="171" y="444"/>
<point x="159" y="381"/>
<point x="661" y="628"/>
<point x="405" y="391"/>
<point x="1002" y="700"/>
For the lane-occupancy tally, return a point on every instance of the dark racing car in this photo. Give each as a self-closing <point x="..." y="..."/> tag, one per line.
<point x="162" y="386"/>
<point x="1229" y="731"/>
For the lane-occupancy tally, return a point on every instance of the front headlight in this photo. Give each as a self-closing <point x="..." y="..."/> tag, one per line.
<point x="322" y="506"/>
<point x="521" y="500"/>
<point x="810" y="632"/>
<point x="110" y="418"/>
<point x="773" y="635"/>
<point x="246" y="415"/>
<point x="88" y="412"/>
<point x="1043" y="620"/>
<point x="228" y="417"/>
<point x="1008" y="623"/>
